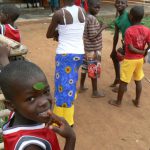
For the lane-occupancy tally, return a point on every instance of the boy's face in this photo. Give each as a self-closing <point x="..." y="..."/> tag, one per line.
<point x="30" y="103"/>
<point x="121" y="5"/>
<point x="95" y="8"/>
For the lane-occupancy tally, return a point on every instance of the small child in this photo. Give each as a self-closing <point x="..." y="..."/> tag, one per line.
<point x="8" y="15"/>
<point x="93" y="47"/>
<point x="136" y="38"/>
<point x="27" y="95"/>
<point x="121" y="24"/>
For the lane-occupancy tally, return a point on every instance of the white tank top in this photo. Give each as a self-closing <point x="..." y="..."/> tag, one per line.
<point x="71" y="35"/>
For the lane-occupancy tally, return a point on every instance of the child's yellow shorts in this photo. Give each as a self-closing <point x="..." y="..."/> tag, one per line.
<point x="67" y="113"/>
<point x="131" y="68"/>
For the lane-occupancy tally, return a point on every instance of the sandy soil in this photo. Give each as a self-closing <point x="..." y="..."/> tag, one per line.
<point x="98" y="125"/>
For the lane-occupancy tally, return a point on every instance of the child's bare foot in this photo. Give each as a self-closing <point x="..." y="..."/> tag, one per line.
<point x="135" y="103"/>
<point x="114" y="103"/>
<point x="82" y="89"/>
<point x="97" y="94"/>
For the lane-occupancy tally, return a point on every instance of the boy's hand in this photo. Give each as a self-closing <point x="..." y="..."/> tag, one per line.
<point x="104" y="26"/>
<point x="61" y="127"/>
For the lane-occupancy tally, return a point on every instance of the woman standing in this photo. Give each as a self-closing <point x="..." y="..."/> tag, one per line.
<point x="68" y="23"/>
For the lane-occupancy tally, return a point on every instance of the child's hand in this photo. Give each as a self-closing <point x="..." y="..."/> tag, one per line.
<point x="104" y="26"/>
<point x="61" y="127"/>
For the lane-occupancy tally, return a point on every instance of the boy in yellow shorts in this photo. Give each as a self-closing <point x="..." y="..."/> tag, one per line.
<point x="136" y="38"/>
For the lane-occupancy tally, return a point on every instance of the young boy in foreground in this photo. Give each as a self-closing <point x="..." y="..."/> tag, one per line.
<point x="27" y="95"/>
<point x="136" y="38"/>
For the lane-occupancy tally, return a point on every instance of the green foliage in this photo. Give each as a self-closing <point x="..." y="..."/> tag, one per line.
<point x="146" y="21"/>
<point x="2" y="121"/>
<point x="110" y="21"/>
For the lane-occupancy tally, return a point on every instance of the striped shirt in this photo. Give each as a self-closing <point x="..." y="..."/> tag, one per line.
<point x="92" y="42"/>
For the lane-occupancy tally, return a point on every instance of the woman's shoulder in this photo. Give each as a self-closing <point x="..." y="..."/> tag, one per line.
<point x="58" y="12"/>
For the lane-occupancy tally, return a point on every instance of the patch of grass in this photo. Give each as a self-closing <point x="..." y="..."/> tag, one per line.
<point x="146" y="21"/>
<point x="110" y="21"/>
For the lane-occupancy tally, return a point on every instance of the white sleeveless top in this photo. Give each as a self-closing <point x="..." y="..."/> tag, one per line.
<point x="71" y="35"/>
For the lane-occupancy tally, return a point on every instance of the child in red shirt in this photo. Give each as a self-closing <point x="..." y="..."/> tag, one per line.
<point x="136" y="38"/>
<point x="8" y="15"/>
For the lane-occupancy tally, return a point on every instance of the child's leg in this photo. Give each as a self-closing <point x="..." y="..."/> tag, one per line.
<point x="122" y="89"/>
<point x="96" y="93"/>
<point x="138" y="93"/>
<point x="117" y="71"/>
<point x="138" y="76"/>
<point x="94" y="86"/>
<point x="82" y="81"/>
<point x="83" y="75"/>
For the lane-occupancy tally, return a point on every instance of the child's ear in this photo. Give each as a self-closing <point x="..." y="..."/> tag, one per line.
<point x="9" y="105"/>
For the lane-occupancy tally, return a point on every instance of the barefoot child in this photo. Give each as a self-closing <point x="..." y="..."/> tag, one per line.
<point x="93" y="47"/>
<point x="121" y="24"/>
<point x="27" y="95"/>
<point x="136" y="38"/>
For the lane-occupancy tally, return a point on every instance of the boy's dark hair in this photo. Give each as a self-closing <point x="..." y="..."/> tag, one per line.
<point x="11" y="10"/>
<point x="92" y="2"/>
<point x="17" y="72"/>
<point x="137" y="13"/>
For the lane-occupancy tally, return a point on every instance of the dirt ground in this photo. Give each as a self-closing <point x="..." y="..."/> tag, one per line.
<point x="98" y="125"/>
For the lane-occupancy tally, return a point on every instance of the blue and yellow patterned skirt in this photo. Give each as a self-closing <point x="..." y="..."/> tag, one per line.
<point x="66" y="77"/>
